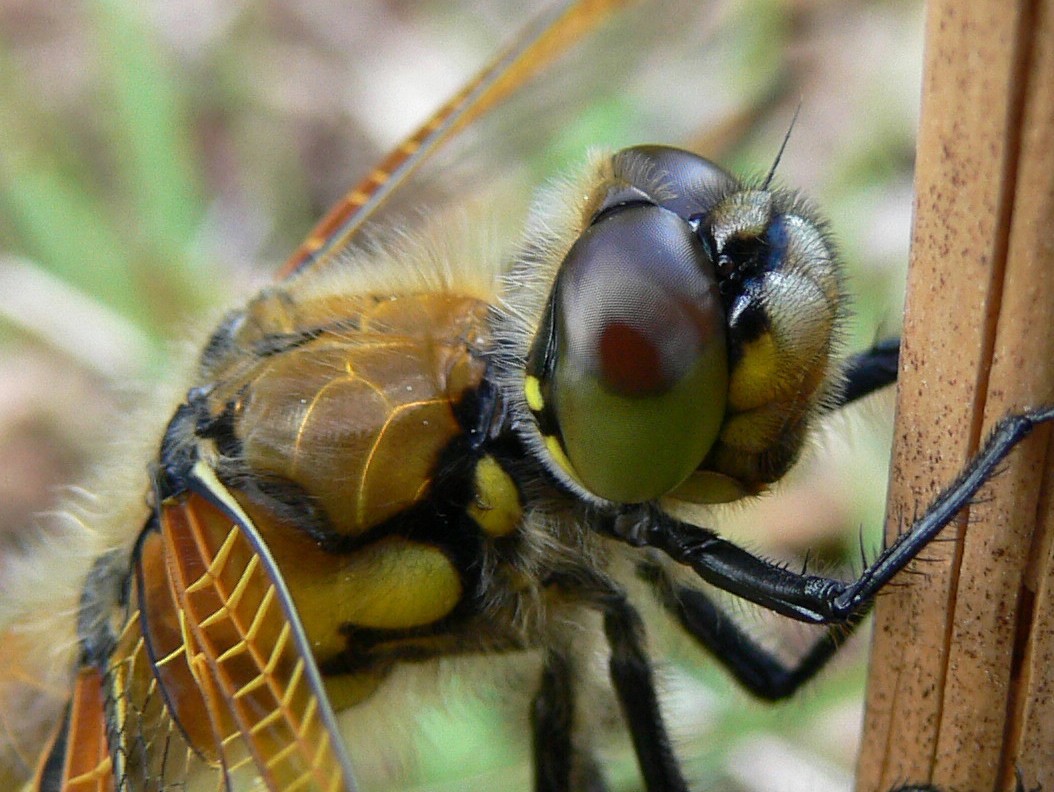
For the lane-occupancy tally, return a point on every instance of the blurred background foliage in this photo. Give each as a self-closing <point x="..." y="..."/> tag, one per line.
<point x="159" y="159"/>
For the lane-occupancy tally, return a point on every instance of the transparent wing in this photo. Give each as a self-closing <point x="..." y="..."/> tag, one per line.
<point x="539" y="44"/>
<point x="577" y="78"/>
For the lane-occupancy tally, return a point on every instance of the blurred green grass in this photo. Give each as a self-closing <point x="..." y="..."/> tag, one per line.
<point x="159" y="159"/>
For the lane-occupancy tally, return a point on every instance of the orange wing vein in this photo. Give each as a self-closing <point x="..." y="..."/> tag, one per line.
<point x="538" y="46"/>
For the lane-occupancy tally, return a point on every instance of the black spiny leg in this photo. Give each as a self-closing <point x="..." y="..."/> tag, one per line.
<point x="870" y="371"/>
<point x="559" y="765"/>
<point x="552" y="716"/>
<point x="763" y="674"/>
<point x="634" y="685"/>
<point x="756" y="669"/>
<point x="812" y="598"/>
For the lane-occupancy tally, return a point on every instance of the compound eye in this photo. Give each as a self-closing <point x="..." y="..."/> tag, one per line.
<point x="693" y="182"/>
<point x="639" y="379"/>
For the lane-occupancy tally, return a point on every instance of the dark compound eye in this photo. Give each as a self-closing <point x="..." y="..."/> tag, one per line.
<point x="635" y="302"/>
<point x="692" y="184"/>
<point x="640" y="375"/>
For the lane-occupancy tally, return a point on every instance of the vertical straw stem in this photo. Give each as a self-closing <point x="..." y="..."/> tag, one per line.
<point x="961" y="691"/>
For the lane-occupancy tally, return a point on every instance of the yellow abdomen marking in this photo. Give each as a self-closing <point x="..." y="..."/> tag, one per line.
<point x="496" y="507"/>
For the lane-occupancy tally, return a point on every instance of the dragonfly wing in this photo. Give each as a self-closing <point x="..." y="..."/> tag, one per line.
<point x="533" y="50"/>
<point x="245" y="645"/>
<point x="214" y="675"/>
<point x="581" y="60"/>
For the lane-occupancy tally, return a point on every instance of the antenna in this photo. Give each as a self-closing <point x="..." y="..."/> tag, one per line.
<point x="783" y="145"/>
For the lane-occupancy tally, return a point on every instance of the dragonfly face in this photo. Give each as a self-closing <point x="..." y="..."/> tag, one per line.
<point x="681" y="302"/>
<point x="398" y="454"/>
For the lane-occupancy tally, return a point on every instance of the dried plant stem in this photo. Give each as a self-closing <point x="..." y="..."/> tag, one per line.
<point x="961" y="693"/>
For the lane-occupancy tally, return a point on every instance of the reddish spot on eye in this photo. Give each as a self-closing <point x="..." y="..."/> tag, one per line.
<point x="630" y="364"/>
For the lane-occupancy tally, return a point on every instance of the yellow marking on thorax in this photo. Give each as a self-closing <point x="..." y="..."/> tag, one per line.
<point x="496" y="505"/>
<point x="396" y="584"/>
<point x="532" y="390"/>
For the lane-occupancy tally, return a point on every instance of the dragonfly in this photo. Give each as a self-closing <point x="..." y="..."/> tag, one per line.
<point x="285" y="567"/>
